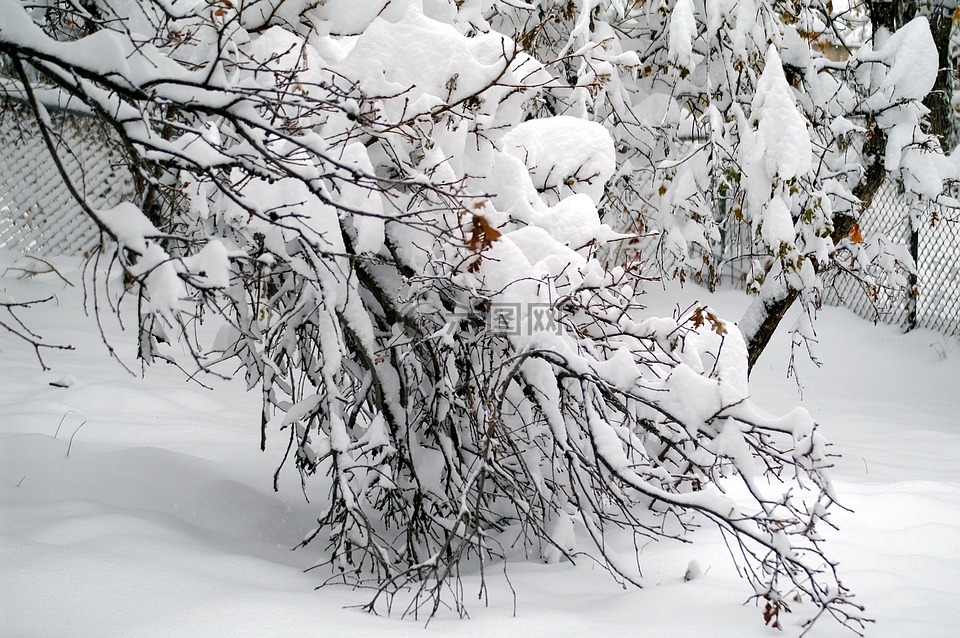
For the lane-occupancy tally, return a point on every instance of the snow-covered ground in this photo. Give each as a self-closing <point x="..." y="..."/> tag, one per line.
<point x="133" y="507"/>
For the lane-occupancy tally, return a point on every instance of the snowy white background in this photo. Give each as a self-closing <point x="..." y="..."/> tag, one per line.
<point x="161" y="521"/>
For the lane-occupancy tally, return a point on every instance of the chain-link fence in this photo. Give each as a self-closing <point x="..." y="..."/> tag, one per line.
<point x="37" y="213"/>
<point x="934" y="245"/>
<point x="938" y="264"/>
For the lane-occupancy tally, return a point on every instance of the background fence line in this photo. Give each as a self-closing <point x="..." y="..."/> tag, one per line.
<point x="935" y="248"/>
<point x="38" y="216"/>
<point x="37" y="213"/>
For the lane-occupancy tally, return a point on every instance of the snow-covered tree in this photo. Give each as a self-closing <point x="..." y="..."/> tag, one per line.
<point x="786" y="117"/>
<point x="416" y="222"/>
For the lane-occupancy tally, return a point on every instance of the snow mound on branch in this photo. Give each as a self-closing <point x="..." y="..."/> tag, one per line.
<point x="542" y="251"/>
<point x="777" y="226"/>
<point x="913" y="59"/>
<point x="908" y="66"/>
<point x="277" y="51"/>
<point x="775" y="148"/>
<point x="573" y="221"/>
<point x="165" y="289"/>
<point x="784" y="141"/>
<point x="683" y="29"/>
<point x="564" y="153"/>
<point x="350" y="17"/>
<point x="211" y="265"/>
<point x="129" y="225"/>
<point x="421" y="64"/>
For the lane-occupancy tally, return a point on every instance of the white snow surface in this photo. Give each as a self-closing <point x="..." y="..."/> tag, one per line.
<point x="564" y="151"/>
<point x="781" y="129"/>
<point x="143" y="507"/>
<point x="683" y="29"/>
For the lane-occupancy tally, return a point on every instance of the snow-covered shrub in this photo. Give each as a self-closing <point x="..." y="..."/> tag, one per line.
<point x="404" y="215"/>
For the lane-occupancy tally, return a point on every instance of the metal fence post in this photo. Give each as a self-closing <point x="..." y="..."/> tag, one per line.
<point x="913" y="293"/>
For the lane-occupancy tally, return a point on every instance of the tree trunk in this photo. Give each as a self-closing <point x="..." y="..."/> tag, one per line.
<point x="938" y="101"/>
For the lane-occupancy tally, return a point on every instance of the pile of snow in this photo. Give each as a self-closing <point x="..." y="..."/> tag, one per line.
<point x="144" y="507"/>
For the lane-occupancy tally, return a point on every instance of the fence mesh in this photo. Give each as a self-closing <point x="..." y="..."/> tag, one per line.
<point x="938" y="305"/>
<point x="937" y="253"/>
<point x="885" y="218"/>
<point x="37" y="213"/>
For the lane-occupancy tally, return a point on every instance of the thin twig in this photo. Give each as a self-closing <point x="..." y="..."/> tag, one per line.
<point x="70" y="444"/>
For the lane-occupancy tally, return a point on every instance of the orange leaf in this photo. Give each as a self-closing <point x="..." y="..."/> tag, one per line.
<point x="702" y="315"/>
<point x="483" y="234"/>
<point x="855" y="235"/>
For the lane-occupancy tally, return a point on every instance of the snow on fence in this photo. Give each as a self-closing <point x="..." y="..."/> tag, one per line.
<point x="37" y="213"/>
